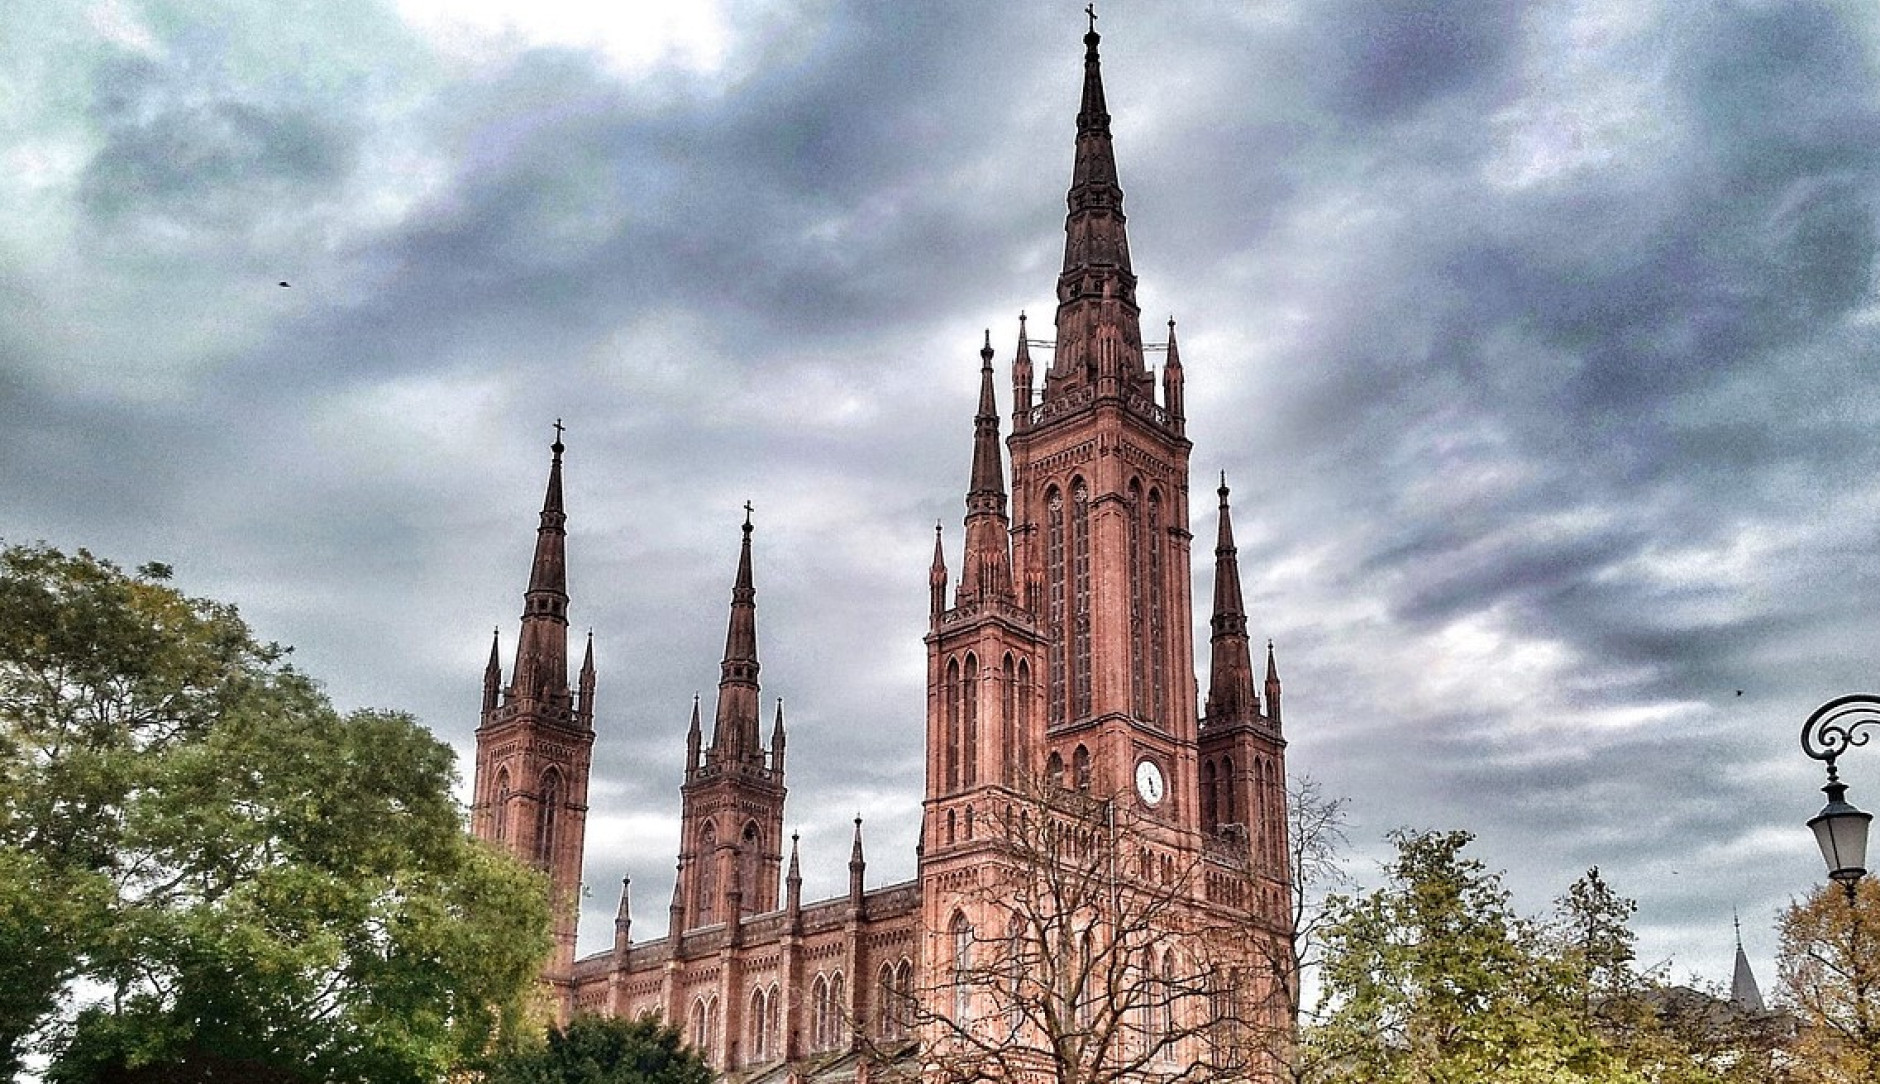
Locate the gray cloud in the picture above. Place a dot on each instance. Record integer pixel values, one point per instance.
(1534, 343)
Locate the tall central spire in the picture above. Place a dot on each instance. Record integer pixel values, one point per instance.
(734, 731)
(1099, 331)
(542, 650)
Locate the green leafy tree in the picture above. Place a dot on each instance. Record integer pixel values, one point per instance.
(1829, 967)
(1434, 978)
(229, 878)
(602, 1050)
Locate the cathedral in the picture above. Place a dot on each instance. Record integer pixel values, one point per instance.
(1083, 803)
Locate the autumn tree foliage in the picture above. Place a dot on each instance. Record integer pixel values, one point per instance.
(1829, 969)
(1434, 977)
(208, 872)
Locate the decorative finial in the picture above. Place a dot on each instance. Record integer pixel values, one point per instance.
(1091, 10)
(556, 447)
(985, 352)
(747, 515)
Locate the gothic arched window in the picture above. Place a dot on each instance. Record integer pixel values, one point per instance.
(750, 856)
(1080, 600)
(969, 720)
(952, 751)
(961, 934)
(550, 811)
(1230, 806)
(1208, 796)
(819, 1014)
(887, 1010)
(500, 816)
(1158, 613)
(1054, 769)
(760, 1027)
(1080, 768)
(707, 859)
(1057, 608)
(1138, 606)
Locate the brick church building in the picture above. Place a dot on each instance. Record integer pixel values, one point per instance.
(1061, 707)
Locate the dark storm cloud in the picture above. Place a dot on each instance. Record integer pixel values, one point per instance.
(197, 156)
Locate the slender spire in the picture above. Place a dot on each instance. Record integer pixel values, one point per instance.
(857, 865)
(937, 578)
(1272, 687)
(693, 738)
(734, 731)
(1099, 330)
(585, 706)
(1021, 379)
(1173, 399)
(777, 741)
(1744, 993)
(493, 673)
(623, 917)
(793, 882)
(1230, 678)
(541, 670)
(676, 909)
(987, 567)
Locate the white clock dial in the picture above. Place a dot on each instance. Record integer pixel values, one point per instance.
(1149, 782)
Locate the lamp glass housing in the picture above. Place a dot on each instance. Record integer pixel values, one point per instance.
(1841, 831)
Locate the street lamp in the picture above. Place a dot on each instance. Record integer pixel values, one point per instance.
(1840, 828)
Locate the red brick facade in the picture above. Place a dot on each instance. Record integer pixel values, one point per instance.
(1060, 656)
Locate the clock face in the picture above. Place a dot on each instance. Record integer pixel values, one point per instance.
(1149, 782)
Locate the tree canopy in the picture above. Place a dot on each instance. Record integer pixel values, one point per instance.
(1829, 967)
(602, 1050)
(205, 869)
(1434, 977)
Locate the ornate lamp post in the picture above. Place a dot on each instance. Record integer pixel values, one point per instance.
(1841, 829)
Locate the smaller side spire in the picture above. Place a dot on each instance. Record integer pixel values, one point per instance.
(693, 738)
(937, 578)
(1172, 380)
(1272, 687)
(857, 866)
(777, 741)
(986, 567)
(1021, 380)
(1230, 674)
(793, 883)
(585, 705)
(676, 910)
(493, 674)
(623, 918)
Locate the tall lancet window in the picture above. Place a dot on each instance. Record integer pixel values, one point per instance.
(969, 726)
(1080, 600)
(1057, 604)
(1158, 612)
(951, 693)
(500, 815)
(545, 819)
(708, 874)
(1138, 606)
(1024, 697)
(1009, 769)
(750, 852)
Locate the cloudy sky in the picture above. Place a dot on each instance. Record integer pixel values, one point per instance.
(1536, 340)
